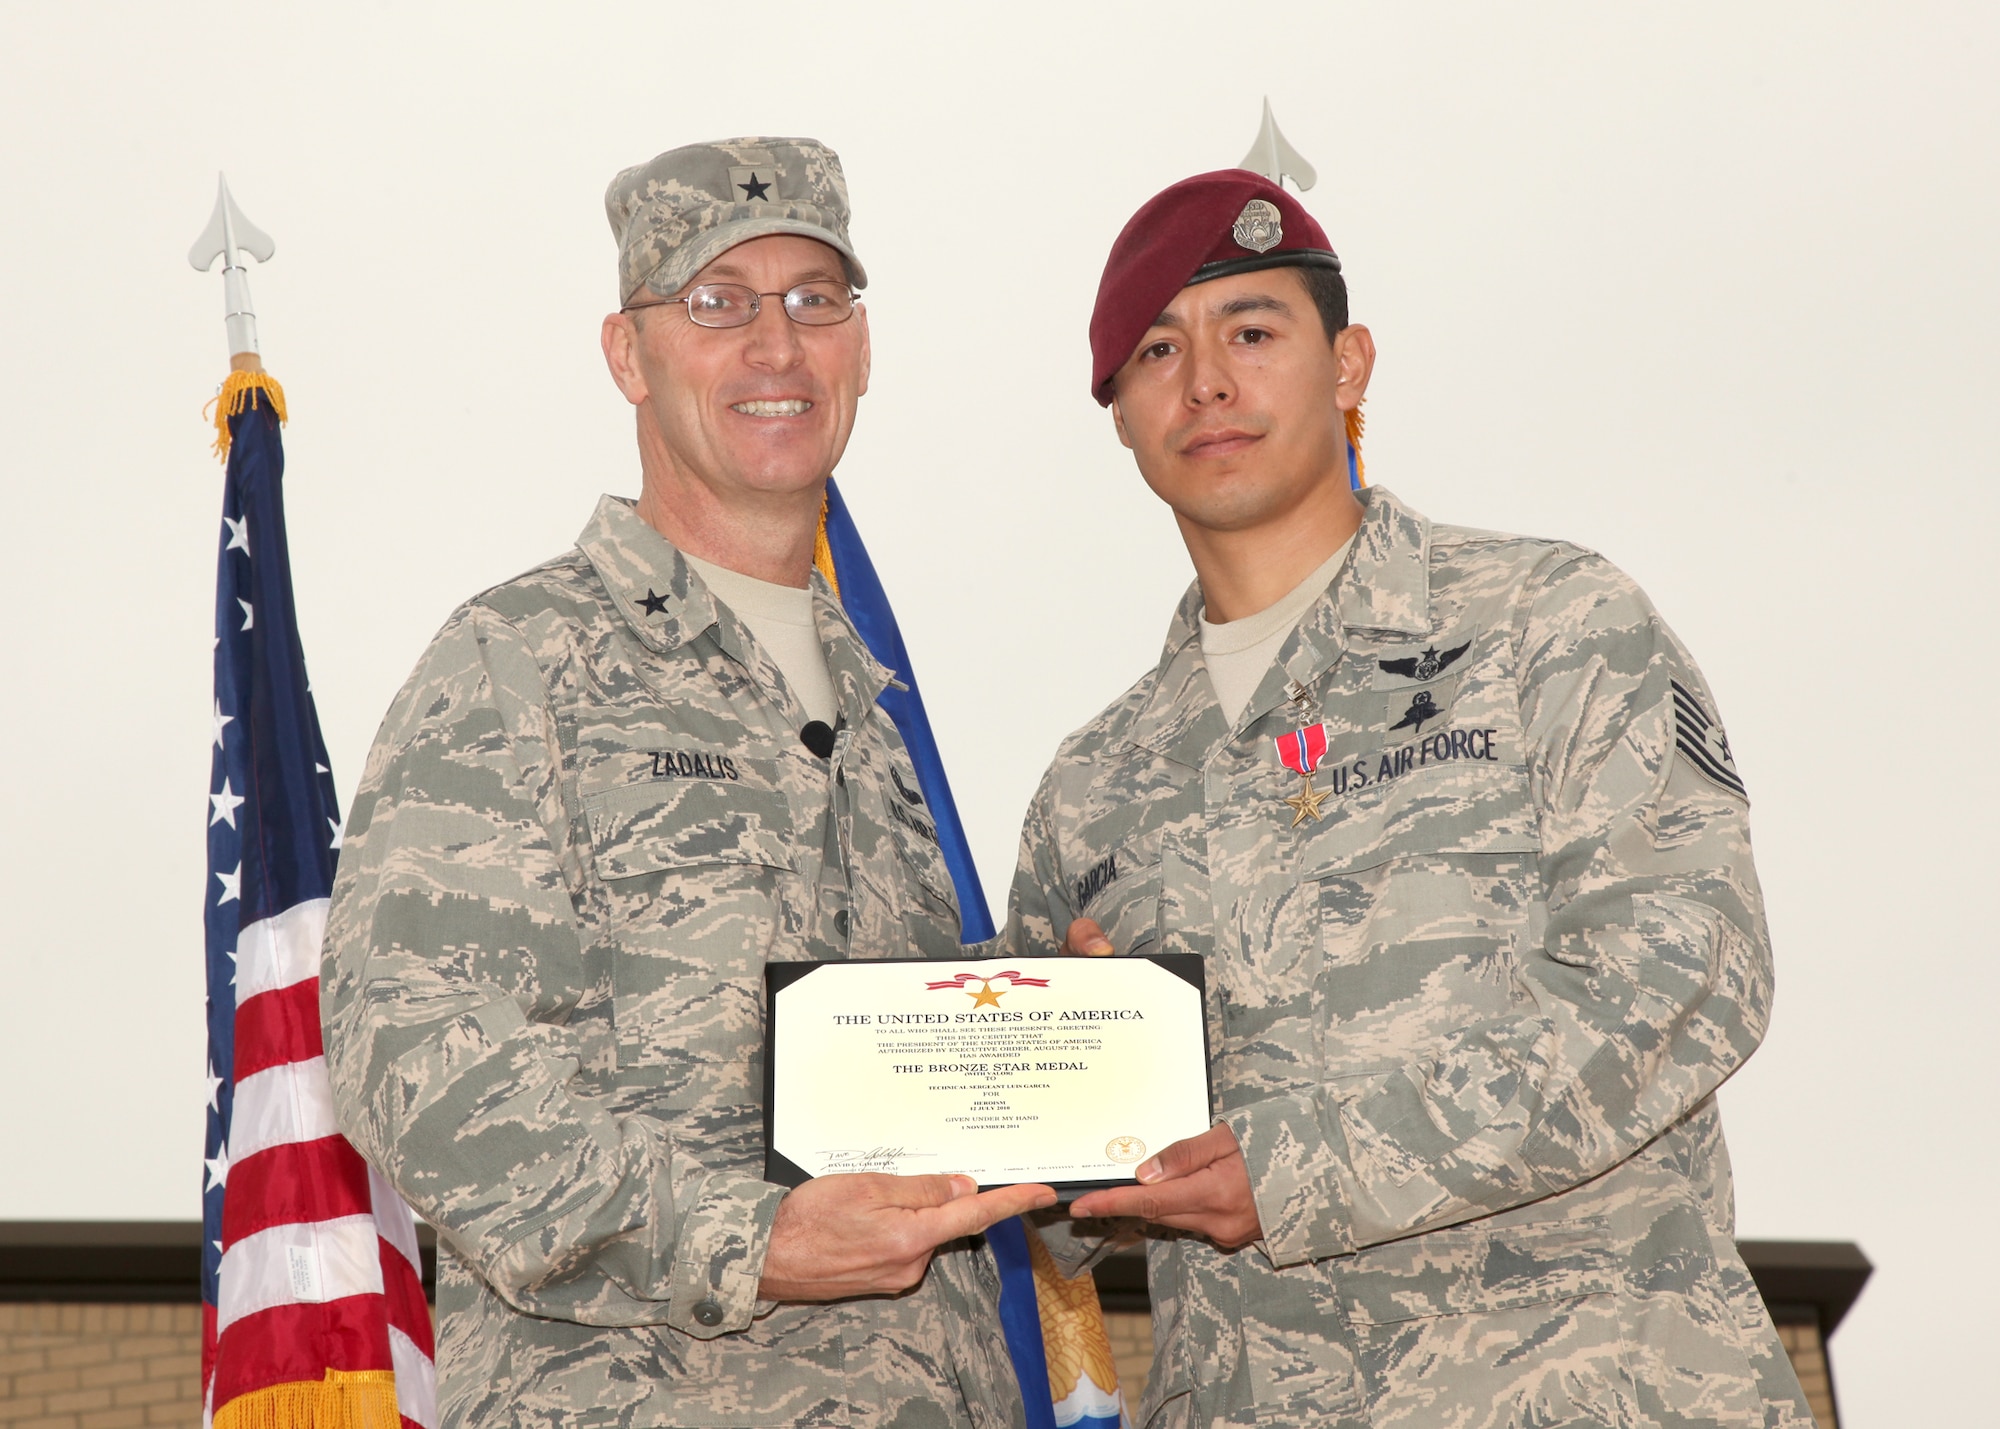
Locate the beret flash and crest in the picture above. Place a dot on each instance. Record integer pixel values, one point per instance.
(1258, 227)
(1210, 226)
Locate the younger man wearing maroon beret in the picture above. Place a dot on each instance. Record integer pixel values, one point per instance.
(1451, 818)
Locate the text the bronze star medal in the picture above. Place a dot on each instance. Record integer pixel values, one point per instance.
(1305, 804)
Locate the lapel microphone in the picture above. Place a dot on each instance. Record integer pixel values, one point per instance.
(817, 735)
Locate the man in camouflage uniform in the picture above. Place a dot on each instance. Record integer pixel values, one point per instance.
(1469, 866)
(598, 808)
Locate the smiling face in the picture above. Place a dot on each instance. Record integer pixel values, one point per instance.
(1234, 406)
(733, 419)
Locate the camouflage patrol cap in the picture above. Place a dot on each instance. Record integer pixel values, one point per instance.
(676, 213)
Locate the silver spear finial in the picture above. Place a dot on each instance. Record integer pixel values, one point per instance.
(229, 232)
(1276, 160)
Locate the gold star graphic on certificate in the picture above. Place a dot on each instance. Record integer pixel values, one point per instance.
(986, 996)
(1305, 804)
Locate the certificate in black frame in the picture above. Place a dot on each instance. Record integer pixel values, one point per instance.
(782, 1170)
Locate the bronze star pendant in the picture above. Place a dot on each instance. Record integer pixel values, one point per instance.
(1305, 804)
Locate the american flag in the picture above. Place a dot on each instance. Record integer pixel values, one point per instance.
(312, 1297)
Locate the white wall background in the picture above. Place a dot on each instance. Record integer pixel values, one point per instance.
(1711, 287)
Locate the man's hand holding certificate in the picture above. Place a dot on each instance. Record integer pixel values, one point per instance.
(1200, 1185)
(1068, 1072)
(842, 1236)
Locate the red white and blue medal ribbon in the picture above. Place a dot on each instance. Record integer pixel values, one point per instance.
(1300, 751)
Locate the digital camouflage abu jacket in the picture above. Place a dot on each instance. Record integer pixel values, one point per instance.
(1468, 1022)
(587, 824)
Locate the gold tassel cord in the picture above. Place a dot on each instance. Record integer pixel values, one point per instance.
(345, 1399)
(822, 552)
(239, 390)
(1073, 1333)
(1354, 425)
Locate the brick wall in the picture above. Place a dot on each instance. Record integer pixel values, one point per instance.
(1808, 1355)
(99, 1366)
(1131, 1350)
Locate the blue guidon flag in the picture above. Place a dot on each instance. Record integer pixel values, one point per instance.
(1056, 1338)
(313, 1310)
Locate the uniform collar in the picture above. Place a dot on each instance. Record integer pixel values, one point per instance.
(657, 592)
(1180, 718)
(1386, 584)
(667, 605)
(1383, 585)
(858, 677)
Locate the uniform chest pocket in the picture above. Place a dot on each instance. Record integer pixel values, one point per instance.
(646, 828)
(1127, 908)
(899, 891)
(1415, 801)
(700, 886)
(1429, 892)
(916, 840)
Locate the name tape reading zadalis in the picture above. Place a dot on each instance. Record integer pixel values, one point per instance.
(1068, 1071)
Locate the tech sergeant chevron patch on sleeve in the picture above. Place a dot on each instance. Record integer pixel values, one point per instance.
(1700, 740)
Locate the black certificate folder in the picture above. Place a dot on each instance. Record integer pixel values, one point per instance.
(1067, 1071)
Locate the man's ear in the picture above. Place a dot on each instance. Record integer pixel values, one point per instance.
(867, 350)
(1118, 422)
(620, 339)
(1354, 352)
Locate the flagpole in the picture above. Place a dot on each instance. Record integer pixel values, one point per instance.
(230, 236)
(313, 1313)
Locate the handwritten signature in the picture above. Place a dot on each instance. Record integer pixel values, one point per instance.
(878, 1158)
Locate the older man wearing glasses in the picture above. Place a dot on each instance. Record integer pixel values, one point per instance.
(613, 790)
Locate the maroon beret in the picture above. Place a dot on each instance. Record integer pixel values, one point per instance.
(1209, 226)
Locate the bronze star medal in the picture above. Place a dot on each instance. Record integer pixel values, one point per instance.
(1305, 804)
(1301, 751)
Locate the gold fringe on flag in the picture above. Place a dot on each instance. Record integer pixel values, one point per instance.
(345, 1399)
(1354, 425)
(239, 390)
(822, 552)
(1073, 1333)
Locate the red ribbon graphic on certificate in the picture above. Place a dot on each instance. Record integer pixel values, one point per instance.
(985, 995)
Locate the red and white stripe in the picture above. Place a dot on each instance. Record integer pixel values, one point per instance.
(1302, 749)
(319, 1255)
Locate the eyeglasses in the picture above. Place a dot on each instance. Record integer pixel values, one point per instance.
(819, 304)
